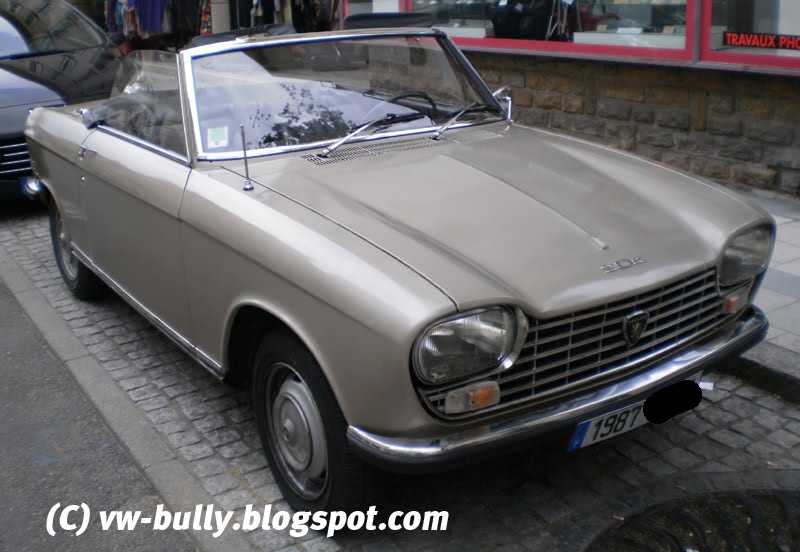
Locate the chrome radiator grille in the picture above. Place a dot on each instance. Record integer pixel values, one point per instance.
(569, 353)
(14, 159)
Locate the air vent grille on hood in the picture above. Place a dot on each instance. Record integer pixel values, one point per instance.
(381, 147)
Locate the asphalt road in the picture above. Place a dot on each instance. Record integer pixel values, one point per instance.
(55, 448)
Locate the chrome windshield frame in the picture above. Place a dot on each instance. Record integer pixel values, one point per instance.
(187, 56)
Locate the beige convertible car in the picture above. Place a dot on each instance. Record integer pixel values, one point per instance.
(351, 223)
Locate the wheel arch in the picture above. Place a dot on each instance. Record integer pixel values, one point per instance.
(247, 324)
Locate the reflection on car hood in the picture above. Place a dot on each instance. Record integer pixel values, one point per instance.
(80, 75)
(522, 216)
(16, 90)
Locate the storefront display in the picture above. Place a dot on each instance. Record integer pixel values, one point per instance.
(747, 34)
(743, 29)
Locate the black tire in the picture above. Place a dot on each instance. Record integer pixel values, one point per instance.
(80, 281)
(282, 362)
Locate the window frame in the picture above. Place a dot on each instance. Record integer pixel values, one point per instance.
(740, 61)
(697, 52)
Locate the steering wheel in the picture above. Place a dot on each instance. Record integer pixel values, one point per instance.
(409, 94)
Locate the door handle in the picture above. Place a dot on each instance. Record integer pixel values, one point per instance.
(83, 150)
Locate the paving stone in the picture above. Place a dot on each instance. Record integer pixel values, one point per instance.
(163, 415)
(769, 419)
(717, 417)
(133, 383)
(739, 406)
(729, 438)
(210, 423)
(784, 438)
(267, 541)
(232, 450)
(696, 424)
(222, 436)
(249, 462)
(240, 414)
(764, 450)
(748, 428)
(260, 478)
(174, 426)
(233, 500)
(153, 403)
(209, 466)
(144, 392)
(658, 467)
(793, 426)
(269, 493)
(217, 484)
(183, 438)
(190, 453)
(680, 458)
(741, 461)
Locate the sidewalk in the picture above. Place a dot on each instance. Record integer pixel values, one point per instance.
(57, 449)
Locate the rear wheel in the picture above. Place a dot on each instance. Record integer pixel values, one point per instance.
(303, 430)
(81, 281)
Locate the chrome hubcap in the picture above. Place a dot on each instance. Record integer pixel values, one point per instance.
(69, 262)
(298, 436)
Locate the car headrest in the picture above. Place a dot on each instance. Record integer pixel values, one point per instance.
(273, 29)
(387, 20)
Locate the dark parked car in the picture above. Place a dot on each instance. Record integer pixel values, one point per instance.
(50, 54)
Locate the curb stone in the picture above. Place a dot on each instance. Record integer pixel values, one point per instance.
(180, 490)
(769, 367)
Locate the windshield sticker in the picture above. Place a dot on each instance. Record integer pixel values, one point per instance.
(217, 137)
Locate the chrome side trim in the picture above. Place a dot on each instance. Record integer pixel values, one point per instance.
(403, 450)
(146, 145)
(187, 346)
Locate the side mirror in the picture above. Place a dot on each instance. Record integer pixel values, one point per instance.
(93, 117)
(504, 95)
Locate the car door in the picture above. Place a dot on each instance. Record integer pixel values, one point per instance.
(135, 172)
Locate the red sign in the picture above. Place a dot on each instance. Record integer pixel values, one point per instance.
(762, 40)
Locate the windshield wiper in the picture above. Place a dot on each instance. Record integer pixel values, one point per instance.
(474, 106)
(385, 121)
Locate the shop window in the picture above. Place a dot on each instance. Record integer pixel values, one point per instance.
(639, 23)
(760, 27)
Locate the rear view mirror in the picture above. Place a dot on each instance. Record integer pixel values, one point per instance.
(504, 95)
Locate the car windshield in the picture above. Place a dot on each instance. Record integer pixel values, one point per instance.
(44, 27)
(316, 92)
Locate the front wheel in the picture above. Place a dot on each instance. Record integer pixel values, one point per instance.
(81, 281)
(303, 431)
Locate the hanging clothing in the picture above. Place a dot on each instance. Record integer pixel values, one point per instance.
(151, 14)
(205, 17)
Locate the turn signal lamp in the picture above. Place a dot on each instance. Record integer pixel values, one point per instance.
(471, 397)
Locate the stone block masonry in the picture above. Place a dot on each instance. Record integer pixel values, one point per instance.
(722, 125)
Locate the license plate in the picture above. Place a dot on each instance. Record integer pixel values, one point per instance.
(608, 425)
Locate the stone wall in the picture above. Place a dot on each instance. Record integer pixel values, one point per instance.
(723, 125)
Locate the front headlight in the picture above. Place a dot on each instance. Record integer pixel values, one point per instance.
(470, 343)
(746, 255)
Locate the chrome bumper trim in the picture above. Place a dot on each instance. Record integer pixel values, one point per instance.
(748, 331)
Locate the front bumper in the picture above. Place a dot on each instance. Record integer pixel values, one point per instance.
(403, 452)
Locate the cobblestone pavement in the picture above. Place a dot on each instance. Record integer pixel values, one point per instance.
(539, 499)
(716, 521)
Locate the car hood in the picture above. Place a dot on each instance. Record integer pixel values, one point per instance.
(516, 215)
